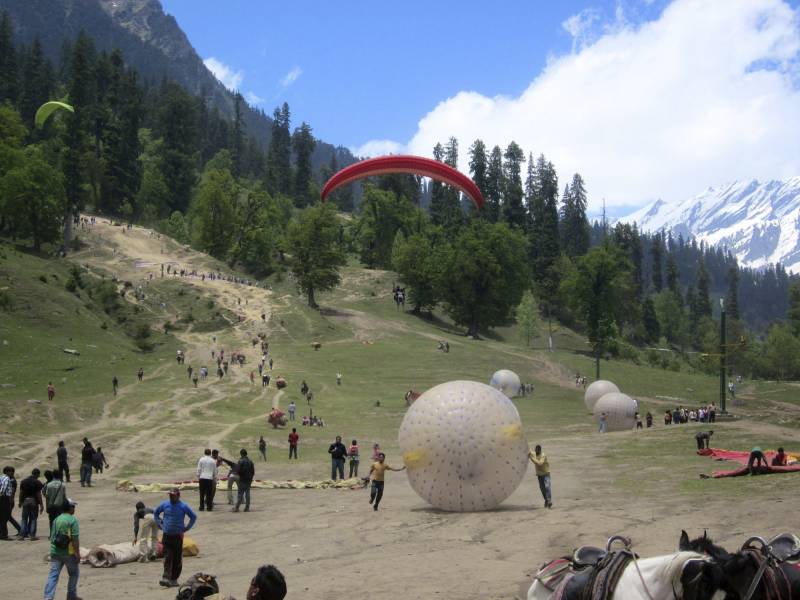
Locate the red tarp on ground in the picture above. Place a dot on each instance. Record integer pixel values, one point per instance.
(742, 458)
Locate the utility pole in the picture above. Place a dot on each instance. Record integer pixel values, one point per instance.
(722, 358)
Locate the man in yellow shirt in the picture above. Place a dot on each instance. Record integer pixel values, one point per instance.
(539, 461)
(376, 473)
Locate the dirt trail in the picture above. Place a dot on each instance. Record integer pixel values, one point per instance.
(131, 256)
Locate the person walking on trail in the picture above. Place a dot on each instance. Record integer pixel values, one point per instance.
(194, 380)
(293, 439)
(87, 461)
(206, 475)
(145, 524)
(51, 390)
(270, 364)
(252, 378)
(115, 384)
(247, 472)
(264, 380)
(338, 378)
(170, 516)
(602, 423)
(10, 472)
(99, 460)
(30, 501)
(65, 551)
(140, 373)
(338, 452)
(703, 438)
(55, 495)
(262, 448)
(539, 460)
(292, 408)
(378, 473)
(352, 453)
(233, 478)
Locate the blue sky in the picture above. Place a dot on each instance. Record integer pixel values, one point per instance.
(370, 70)
(646, 99)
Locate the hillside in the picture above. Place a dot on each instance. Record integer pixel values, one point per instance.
(151, 41)
(758, 222)
(155, 430)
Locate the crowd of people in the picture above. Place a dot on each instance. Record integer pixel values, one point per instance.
(702, 414)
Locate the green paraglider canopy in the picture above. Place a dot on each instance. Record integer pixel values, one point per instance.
(47, 109)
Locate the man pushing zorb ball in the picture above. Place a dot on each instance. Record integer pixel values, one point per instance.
(463, 446)
(507, 382)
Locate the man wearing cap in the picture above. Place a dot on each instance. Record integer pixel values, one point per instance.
(170, 516)
(64, 552)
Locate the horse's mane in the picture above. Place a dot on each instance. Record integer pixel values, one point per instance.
(673, 569)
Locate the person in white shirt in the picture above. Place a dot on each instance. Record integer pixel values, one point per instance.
(207, 476)
(292, 409)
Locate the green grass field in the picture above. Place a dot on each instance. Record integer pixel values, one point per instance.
(163, 423)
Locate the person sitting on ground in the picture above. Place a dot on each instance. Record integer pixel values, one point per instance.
(779, 460)
(268, 584)
(756, 460)
(703, 438)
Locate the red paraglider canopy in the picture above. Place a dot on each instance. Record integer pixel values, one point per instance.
(414, 165)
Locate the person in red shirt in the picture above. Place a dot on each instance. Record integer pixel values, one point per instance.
(779, 460)
(293, 438)
(51, 390)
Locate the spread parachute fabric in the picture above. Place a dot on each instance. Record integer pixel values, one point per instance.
(412, 165)
(47, 109)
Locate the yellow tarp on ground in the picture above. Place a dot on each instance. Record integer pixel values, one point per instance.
(126, 485)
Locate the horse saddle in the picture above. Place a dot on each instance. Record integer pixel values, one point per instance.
(587, 556)
(785, 547)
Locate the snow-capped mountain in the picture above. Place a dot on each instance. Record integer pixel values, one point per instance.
(758, 222)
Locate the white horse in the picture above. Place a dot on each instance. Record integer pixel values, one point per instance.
(678, 576)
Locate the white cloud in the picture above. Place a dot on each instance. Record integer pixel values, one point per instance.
(291, 76)
(226, 75)
(254, 99)
(378, 148)
(705, 94)
(580, 26)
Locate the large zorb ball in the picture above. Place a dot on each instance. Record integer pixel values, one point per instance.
(597, 390)
(620, 411)
(507, 382)
(463, 445)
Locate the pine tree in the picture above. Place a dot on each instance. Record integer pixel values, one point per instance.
(303, 144)
(732, 299)
(793, 314)
(673, 277)
(279, 155)
(703, 301)
(453, 211)
(9, 78)
(513, 209)
(437, 208)
(177, 126)
(544, 242)
(495, 184)
(574, 224)
(237, 136)
(656, 255)
(122, 145)
(38, 82)
(650, 320)
(478, 169)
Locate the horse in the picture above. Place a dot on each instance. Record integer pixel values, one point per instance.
(752, 573)
(677, 576)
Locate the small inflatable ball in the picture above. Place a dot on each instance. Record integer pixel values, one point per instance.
(620, 411)
(507, 382)
(463, 446)
(596, 390)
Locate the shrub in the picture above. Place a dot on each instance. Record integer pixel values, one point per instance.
(142, 331)
(103, 325)
(43, 278)
(71, 285)
(210, 304)
(5, 301)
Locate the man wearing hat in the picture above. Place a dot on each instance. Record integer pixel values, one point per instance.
(170, 516)
(64, 552)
